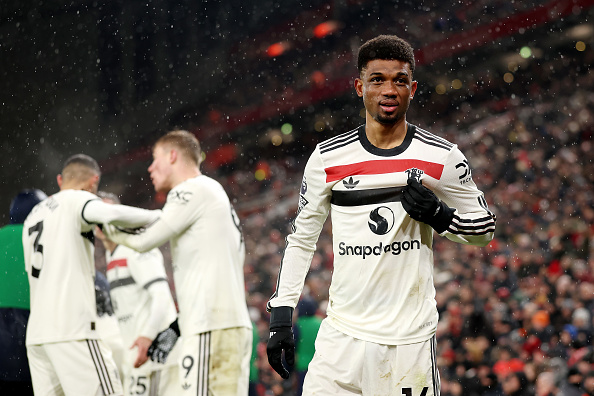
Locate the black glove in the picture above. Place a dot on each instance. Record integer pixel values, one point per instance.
(422, 205)
(281, 338)
(163, 343)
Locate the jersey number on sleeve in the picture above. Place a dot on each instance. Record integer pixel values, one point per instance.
(38, 228)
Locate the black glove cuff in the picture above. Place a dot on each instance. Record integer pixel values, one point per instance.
(281, 317)
(443, 219)
(175, 327)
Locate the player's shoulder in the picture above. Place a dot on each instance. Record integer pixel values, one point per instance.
(340, 141)
(431, 141)
(184, 192)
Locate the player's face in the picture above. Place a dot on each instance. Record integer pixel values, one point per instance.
(386, 87)
(160, 169)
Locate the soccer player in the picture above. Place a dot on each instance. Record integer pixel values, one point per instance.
(208, 254)
(389, 185)
(65, 353)
(143, 306)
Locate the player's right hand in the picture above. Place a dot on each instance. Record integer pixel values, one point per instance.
(164, 343)
(281, 339)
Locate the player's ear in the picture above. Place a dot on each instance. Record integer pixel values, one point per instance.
(95, 183)
(60, 180)
(359, 87)
(413, 89)
(173, 156)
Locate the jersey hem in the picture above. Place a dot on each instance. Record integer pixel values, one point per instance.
(380, 340)
(54, 340)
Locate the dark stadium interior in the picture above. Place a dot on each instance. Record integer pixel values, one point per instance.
(262, 82)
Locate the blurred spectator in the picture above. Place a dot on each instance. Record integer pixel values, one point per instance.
(305, 329)
(15, 377)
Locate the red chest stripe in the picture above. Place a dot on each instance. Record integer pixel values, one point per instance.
(117, 263)
(379, 167)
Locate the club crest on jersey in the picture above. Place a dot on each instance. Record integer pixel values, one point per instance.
(350, 184)
(415, 173)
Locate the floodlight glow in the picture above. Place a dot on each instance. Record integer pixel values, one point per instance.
(525, 52)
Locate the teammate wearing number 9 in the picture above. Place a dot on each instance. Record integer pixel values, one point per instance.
(207, 256)
(66, 355)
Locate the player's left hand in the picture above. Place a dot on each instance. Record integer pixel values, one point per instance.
(164, 343)
(422, 205)
(143, 344)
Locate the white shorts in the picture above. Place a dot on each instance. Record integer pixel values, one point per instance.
(163, 382)
(151, 379)
(73, 368)
(343, 365)
(216, 363)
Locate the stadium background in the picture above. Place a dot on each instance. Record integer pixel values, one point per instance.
(261, 82)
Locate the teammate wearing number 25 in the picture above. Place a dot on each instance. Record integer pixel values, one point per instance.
(207, 256)
(389, 185)
(66, 356)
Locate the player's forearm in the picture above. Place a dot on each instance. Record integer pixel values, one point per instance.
(154, 236)
(160, 303)
(99, 212)
(472, 228)
(291, 277)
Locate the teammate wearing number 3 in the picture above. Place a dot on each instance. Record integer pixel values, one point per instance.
(208, 254)
(66, 356)
(389, 185)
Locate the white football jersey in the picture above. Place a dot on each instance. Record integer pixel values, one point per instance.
(130, 274)
(382, 287)
(58, 244)
(207, 251)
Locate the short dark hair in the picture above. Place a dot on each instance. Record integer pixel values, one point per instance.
(387, 47)
(184, 141)
(80, 166)
(110, 196)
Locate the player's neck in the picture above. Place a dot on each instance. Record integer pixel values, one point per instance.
(386, 136)
(184, 173)
(76, 186)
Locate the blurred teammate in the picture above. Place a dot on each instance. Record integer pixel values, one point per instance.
(389, 185)
(15, 378)
(107, 323)
(143, 305)
(65, 353)
(208, 253)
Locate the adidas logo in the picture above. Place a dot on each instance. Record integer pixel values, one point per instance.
(350, 184)
(186, 386)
